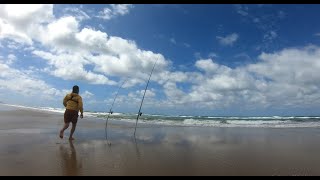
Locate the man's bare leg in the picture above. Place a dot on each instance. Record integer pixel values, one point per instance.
(66, 125)
(72, 131)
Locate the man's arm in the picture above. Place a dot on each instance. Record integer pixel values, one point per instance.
(80, 105)
(65, 100)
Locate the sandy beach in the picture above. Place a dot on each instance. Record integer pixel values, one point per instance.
(30, 146)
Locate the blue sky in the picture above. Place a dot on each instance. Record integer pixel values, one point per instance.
(218, 59)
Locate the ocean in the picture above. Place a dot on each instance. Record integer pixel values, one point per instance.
(201, 121)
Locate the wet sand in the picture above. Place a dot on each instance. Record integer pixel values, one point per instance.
(30, 146)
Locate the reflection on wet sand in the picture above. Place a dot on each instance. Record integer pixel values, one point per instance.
(137, 148)
(69, 163)
(30, 146)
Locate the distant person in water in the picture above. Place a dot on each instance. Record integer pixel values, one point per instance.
(73, 103)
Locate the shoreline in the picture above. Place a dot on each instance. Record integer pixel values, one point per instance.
(30, 146)
(193, 121)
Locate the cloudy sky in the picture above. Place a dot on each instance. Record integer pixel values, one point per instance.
(211, 59)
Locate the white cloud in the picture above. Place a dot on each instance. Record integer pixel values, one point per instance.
(256, 20)
(285, 78)
(73, 50)
(13, 45)
(24, 14)
(174, 95)
(114, 11)
(19, 22)
(60, 33)
(87, 95)
(166, 76)
(95, 41)
(71, 67)
(282, 14)
(187, 45)
(76, 12)
(117, 57)
(269, 36)
(212, 55)
(228, 40)
(133, 99)
(197, 55)
(294, 66)
(173, 41)
(11, 58)
(7, 31)
(317, 34)
(105, 14)
(267, 22)
(244, 57)
(121, 9)
(23, 83)
(127, 60)
(242, 9)
(150, 93)
(207, 65)
(101, 26)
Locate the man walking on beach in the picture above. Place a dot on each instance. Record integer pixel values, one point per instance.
(73, 103)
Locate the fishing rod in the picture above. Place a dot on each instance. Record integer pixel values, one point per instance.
(110, 111)
(140, 113)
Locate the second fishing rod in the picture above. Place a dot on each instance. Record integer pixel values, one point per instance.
(110, 111)
(140, 113)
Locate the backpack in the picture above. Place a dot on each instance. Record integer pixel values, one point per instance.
(72, 99)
